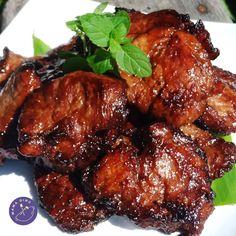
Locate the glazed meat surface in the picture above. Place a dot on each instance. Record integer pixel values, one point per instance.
(220, 114)
(142, 92)
(8, 63)
(62, 122)
(18, 87)
(181, 80)
(142, 23)
(220, 155)
(163, 184)
(61, 197)
(187, 72)
(21, 83)
(180, 88)
(135, 147)
(19, 77)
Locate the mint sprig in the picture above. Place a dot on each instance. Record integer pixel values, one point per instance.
(108, 48)
(100, 61)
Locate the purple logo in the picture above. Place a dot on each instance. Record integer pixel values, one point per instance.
(23, 211)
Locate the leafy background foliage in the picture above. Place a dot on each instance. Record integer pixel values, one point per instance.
(231, 6)
(2, 3)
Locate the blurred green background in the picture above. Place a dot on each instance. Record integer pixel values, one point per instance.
(231, 6)
(2, 3)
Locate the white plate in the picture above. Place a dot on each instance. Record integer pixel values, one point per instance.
(46, 18)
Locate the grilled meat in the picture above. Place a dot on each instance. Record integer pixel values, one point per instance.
(142, 23)
(8, 63)
(21, 83)
(158, 34)
(75, 123)
(187, 73)
(61, 197)
(142, 92)
(19, 77)
(61, 122)
(181, 80)
(19, 86)
(220, 114)
(164, 184)
(220, 155)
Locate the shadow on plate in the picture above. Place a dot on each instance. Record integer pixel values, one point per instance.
(123, 222)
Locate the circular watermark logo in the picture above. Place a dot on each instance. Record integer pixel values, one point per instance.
(23, 211)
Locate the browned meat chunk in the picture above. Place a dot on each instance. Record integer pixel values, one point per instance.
(8, 64)
(220, 154)
(220, 114)
(61, 122)
(142, 23)
(142, 92)
(21, 83)
(181, 80)
(18, 87)
(187, 73)
(73, 45)
(180, 53)
(61, 197)
(165, 185)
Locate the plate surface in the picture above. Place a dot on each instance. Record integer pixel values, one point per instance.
(46, 19)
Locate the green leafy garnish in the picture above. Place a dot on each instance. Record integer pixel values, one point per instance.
(105, 43)
(40, 48)
(97, 28)
(74, 25)
(100, 61)
(227, 138)
(225, 188)
(132, 60)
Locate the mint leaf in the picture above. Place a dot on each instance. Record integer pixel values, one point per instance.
(75, 63)
(133, 60)
(40, 48)
(100, 62)
(225, 188)
(126, 41)
(100, 8)
(114, 47)
(121, 17)
(119, 33)
(74, 25)
(97, 28)
(121, 23)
